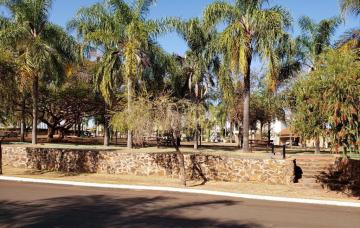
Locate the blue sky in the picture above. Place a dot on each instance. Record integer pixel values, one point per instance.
(64, 10)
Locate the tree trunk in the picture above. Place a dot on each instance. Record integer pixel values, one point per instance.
(231, 132)
(62, 134)
(240, 137)
(269, 133)
(246, 95)
(196, 141)
(78, 130)
(129, 137)
(96, 129)
(22, 123)
(197, 125)
(200, 136)
(317, 145)
(0, 159)
(106, 133)
(51, 132)
(106, 127)
(35, 96)
(196, 138)
(181, 159)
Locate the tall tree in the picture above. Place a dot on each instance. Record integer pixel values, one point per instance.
(315, 39)
(250, 29)
(124, 33)
(327, 100)
(44, 50)
(200, 61)
(101, 30)
(138, 35)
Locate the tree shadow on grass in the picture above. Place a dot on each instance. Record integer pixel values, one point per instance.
(343, 176)
(108, 211)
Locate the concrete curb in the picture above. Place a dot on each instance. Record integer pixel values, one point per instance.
(184, 190)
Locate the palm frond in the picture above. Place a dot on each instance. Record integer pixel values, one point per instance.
(219, 11)
(349, 40)
(351, 6)
(142, 7)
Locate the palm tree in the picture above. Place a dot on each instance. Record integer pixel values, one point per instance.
(351, 6)
(315, 39)
(285, 63)
(200, 62)
(44, 50)
(138, 34)
(102, 34)
(250, 29)
(350, 40)
(123, 34)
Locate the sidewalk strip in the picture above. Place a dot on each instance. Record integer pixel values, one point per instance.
(184, 190)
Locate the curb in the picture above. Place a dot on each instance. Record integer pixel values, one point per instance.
(184, 190)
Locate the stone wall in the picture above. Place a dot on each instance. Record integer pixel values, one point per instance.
(221, 168)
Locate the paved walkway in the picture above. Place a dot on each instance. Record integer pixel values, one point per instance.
(43, 205)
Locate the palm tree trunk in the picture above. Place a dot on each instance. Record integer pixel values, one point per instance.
(269, 133)
(240, 138)
(106, 133)
(231, 132)
(239, 144)
(106, 126)
(196, 139)
(22, 124)
(0, 159)
(200, 135)
(246, 120)
(35, 96)
(129, 138)
(317, 145)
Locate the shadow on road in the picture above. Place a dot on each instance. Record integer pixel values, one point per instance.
(105, 211)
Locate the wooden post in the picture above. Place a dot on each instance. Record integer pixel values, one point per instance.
(284, 152)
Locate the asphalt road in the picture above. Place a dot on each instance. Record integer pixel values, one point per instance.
(41, 205)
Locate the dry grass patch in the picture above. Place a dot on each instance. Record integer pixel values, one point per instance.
(244, 188)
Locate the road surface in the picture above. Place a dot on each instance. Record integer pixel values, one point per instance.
(42, 205)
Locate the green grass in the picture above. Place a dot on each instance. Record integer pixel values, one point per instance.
(208, 149)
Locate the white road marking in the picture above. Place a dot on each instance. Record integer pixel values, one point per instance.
(184, 190)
